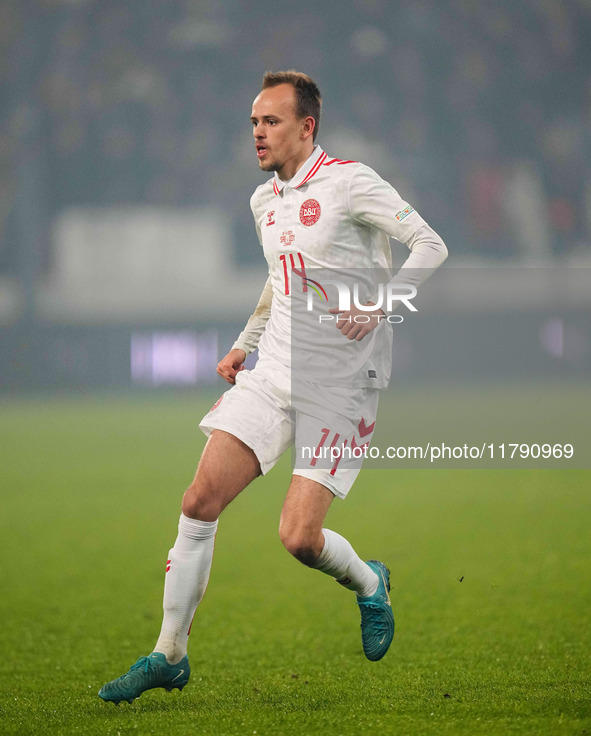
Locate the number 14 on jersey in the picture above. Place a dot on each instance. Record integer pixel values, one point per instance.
(293, 263)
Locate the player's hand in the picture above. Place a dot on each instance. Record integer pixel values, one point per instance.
(357, 330)
(232, 364)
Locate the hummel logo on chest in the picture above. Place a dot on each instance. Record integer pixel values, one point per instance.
(270, 218)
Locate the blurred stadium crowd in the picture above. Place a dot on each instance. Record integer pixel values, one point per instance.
(479, 112)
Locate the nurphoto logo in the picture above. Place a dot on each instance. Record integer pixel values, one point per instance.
(387, 297)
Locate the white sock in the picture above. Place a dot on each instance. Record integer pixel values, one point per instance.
(341, 561)
(187, 574)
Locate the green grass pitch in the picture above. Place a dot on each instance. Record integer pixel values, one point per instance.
(490, 573)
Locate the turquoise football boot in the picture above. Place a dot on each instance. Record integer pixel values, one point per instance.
(377, 618)
(145, 674)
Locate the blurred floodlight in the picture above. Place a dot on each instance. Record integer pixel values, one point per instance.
(174, 358)
(369, 41)
(199, 34)
(552, 337)
(563, 340)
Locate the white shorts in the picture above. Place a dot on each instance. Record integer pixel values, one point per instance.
(330, 427)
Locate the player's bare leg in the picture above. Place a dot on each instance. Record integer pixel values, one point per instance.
(226, 467)
(302, 533)
(304, 510)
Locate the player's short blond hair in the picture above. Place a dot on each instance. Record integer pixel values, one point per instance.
(308, 97)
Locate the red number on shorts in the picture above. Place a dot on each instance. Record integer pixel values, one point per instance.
(338, 460)
(317, 452)
(319, 446)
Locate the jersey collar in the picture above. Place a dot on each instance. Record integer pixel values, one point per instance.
(304, 173)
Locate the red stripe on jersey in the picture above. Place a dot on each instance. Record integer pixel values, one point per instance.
(315, 168)
(275, 187)
(338, 161)
(317, 165)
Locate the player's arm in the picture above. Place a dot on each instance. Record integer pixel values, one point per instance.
(374, 202)
(249, 338)
(427, 253)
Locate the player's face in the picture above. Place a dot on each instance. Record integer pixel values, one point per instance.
(283, 141)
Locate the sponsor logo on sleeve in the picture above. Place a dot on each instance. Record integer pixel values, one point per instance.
(404, 213)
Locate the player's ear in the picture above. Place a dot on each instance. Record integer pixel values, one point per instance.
(308, 125)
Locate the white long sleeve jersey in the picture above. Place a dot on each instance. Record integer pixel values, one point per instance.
(333, 215)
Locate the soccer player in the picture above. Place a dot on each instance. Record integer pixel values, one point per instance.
(315, 212)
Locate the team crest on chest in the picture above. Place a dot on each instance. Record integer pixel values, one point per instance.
(310, 212)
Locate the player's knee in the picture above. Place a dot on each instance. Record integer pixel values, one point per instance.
(201, 503)
(299, 545)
